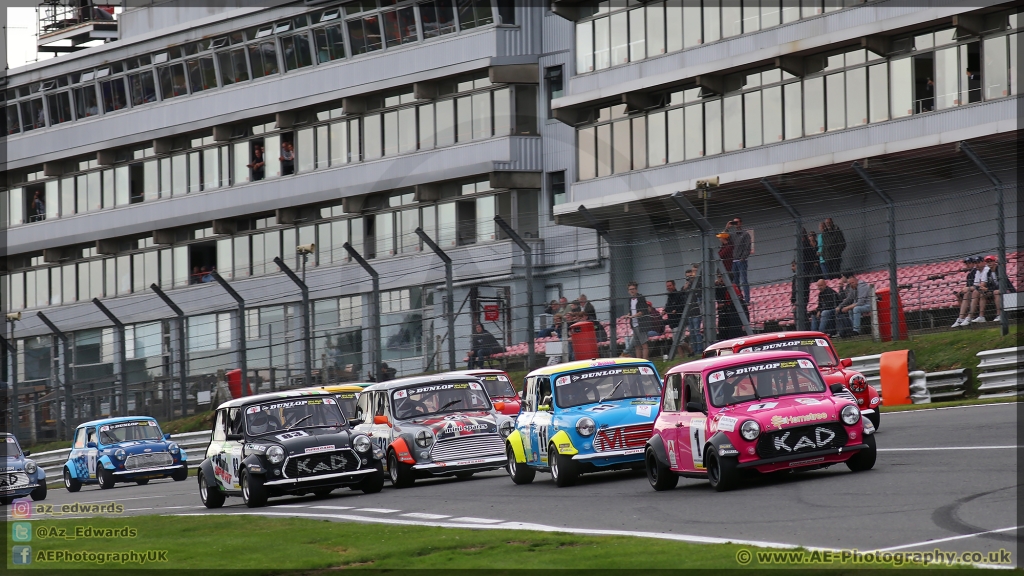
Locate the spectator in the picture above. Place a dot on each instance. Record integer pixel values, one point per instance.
(552, 307)
(729, 325)
(992, 287)
(575, 314)
(587, 309)
(973, 86)
(822, 317)
(741, 251)
(196, 277)
(803, 285)
(982, 274)
(207, 275)
(388, 373)
(258, 163)
(563, 303)
(38, 210)
(674, 302)
(856, 303)
(809, 256)
(484, 344)
(287, 159)
(656, 322)
(693, 315)
(833, 246)
(639, 319)
(966, 294)
(820, 246)
(726, 251)
(554, 330)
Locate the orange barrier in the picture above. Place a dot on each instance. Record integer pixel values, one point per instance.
(895, 369)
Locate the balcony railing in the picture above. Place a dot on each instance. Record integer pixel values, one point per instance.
(59, 15)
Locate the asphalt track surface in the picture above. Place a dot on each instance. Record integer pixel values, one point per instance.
(958, 494)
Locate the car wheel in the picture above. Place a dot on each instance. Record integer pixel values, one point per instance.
(72, 484)
(375, 482)
(464, 475)
(180, 474)
(520, 473)
(876, 419)
(863, 459)
(400, 473)
(721, 471)
(563, 469)
(142, 482)
(211, 497)
(659, 475)
(322, 492)
(105, 477)
(253, 493)
(6, 500)
(39, 493)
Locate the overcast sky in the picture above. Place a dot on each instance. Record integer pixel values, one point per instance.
(21, 37)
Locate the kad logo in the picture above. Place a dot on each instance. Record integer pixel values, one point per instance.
(335, 462)
(822, 437)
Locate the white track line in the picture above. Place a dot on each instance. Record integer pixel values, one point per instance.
(476, 520)
(291, 505)
(943, 448)
(378, 510)
(948, 408)
(424, 516)
(333, 507)
(950, 539)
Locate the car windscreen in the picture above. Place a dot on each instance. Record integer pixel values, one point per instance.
(127, 431)
(761, 380)
(11, 448)
(817, 347)
(427, 399)
(606, 383)
(293, 413)
(347, 402)
(498, 386)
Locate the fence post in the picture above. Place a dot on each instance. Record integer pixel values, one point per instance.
(528, 253)
(122, 354)
(604, 234)
(307, 356)
(894, 291)
(242, 355)
(449, 308)
(677, 331)
(182, 378)
(376, 355)
(801, 297)
(710, 332)
(1004, 318)
(12, 347)
(730, 288)
(66, 352)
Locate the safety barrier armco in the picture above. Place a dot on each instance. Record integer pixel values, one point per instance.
(999, 373)
(52, 461)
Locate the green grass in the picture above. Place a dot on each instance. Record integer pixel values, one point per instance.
(269, 545)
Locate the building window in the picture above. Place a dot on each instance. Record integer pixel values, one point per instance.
(553, 78)
(556, 191)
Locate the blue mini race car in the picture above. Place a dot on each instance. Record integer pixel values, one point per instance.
(584, 416)
(20, 476)
(127, 449)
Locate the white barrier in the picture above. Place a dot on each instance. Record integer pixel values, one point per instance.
(999, 373)
(52, 461)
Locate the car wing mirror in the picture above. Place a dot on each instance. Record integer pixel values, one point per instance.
(381, 419)
(499, 406)
(90, 445)
(27, 453)
(836, 388)
(846, 362)
(355, 421)
(692, 406)
(520, 394)
(234, 437)
(167, 436)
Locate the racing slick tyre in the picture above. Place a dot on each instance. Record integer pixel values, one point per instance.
(374, 483)
(180, 474)
(876, 419)
(6, 500)
(863, 459)
(520, 473)
(659, 475)
(400, 473)
(142, 482)
(253, 492)
(722, 473)
(322, 492)
(39, 493)
(72, 484)
(105, 477)
(211, 497)
(563, 469)
(464, 475)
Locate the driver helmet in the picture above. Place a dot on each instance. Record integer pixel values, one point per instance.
(259, 423)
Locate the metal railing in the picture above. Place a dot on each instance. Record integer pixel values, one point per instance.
(52, 461)
(999, 373)
(57, 15)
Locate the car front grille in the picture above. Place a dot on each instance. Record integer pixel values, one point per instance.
(468, 447)
(13, 480)
(623, 437)
(847, 395)
(150, 460)
(801, 439)
(319, 463)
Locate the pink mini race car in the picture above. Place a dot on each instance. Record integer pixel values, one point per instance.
(760, 411)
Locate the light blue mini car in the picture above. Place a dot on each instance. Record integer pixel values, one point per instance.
(584, 416)
(126, 449)
(20, 476)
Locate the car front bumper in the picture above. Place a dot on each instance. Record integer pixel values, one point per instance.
(155, 471)
(340, 478)
(611, 457)
(813, 458)
(471, 465)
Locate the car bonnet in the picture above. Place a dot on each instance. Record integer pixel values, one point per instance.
(455, 424)
(782, 412)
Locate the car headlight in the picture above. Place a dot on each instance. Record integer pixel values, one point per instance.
(361, 443)
(850, 414)
(585, 426)
(30, 467)
(858, 383)
(424, 439)
(119, 454)
(505, 428)
(275, 454)
(173, 448)
(750, 429)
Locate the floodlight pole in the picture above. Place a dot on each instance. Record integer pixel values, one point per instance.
(528, 253)
(710, 330)
(122, 352)
(376, 355)
(301, 283)
(449, 308)
(894, 290)
(604, 234)
(242, 355)
(66, 352)
(12, 346)
(182, 378)
(801, 296)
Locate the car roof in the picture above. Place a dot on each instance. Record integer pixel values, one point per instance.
(583, 364)
(115, 420)
(297, 393)
(736, 360)
(480, 372)
(766, 337)
(335, 388)
(417, 380)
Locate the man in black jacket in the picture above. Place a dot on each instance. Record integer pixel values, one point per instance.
(674, 302)
(828, 300)
(639, 319)
(833, 245)
(484, 344)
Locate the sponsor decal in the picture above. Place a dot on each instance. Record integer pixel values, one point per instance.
(805, 363)
(326, 448)
(601, 408)
(762, 406)
(255, 468)
(492, 378)
(779, 421)
(460, 386)
(643, 410)
(431, 388)
(292, 434)
(348, 395)
(460, 463)
(453, 427)
(503, 378)
(808, 401)
(651, 402)
(106, 427)
(806, 462)
(727, 424)
(475, 386)
(609, 372)
(256, 447)
(13, 480)
(821, 342)
(671, 449)
(303, 402)
(399, 394)
(334, 462)
(562, 380)
(697, 439)
(874, 401)
(633, 451)
(755, 368)
(11, 440)
(646, 370)
(603, 363)
(716, 376)
(563, 446)
(821, 438)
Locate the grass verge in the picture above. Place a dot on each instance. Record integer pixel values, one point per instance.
(268, 545)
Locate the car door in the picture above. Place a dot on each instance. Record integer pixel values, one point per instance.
(669, 422)
(90, 454)
(78, 461)
(692, 426)
(381, 407)
(525, 418)
(542, 420)
(219, 451)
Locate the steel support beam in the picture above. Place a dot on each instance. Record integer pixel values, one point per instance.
(242, 353)
(122, 354)
(894, 291)
(606, 235)
(528, 254)
(68, 372)
(12, 347)
(375, 351)
(801, 297)
(307, 356)
(677, 331)
(182, 350)
(449, 306)
(710, 329)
